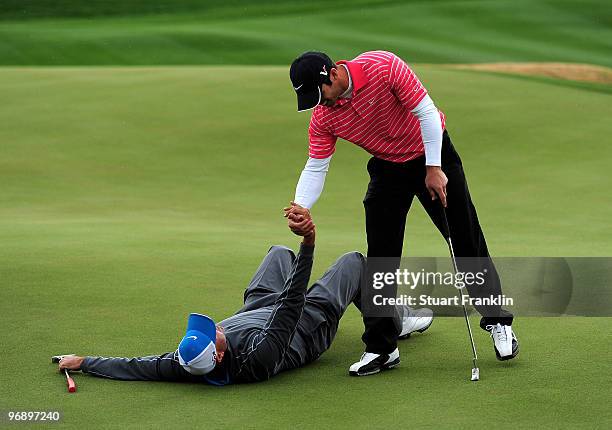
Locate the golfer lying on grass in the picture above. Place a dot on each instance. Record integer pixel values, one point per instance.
(281, 326)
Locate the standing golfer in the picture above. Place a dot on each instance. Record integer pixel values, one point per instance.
(377, 102)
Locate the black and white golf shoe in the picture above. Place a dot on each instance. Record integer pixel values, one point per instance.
(415, 320)
(373, 363)
(505, 342)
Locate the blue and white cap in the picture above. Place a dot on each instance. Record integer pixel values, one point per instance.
(197, 352)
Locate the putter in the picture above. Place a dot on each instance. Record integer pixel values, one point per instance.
(69, 381)
(475, 369)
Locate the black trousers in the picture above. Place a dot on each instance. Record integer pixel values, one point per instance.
(390, 193)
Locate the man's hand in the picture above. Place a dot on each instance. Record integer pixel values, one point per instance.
(299, 219)
(436, 181)
(302, 227)
(295, 208)
(70, 362)
(299, 224)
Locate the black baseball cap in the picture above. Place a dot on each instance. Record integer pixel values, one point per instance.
(308, 72)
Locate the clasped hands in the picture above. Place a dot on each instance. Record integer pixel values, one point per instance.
(299, 220)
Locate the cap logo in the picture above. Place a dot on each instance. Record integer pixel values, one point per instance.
(324, 72)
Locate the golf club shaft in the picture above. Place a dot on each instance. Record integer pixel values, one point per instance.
(455, 268)
(465, 314)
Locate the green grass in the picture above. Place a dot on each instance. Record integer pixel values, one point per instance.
(274, 32)
(32, 9)
(133, 196)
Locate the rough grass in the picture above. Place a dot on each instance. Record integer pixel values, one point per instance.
(247, 32)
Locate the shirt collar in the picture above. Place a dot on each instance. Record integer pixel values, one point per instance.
(349, 91)
(357, 76)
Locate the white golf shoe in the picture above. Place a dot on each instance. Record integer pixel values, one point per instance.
(417, 320)
(373, 363)
(504, 341)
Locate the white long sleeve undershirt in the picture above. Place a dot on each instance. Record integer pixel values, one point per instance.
(312, 179)
(311, 182)
(431, 130)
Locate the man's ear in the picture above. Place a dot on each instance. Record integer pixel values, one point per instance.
(333, 74)
(219, 357)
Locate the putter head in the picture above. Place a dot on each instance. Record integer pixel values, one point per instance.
(475, 374)
(57, 358)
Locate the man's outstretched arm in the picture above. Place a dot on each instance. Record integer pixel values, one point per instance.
(164, 367)
(267, 349)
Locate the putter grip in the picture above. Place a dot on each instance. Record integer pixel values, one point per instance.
(70, 383)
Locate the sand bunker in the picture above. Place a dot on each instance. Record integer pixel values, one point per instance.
(569, 71)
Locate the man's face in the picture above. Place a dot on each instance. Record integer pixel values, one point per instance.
(330, 93)
(220, 344)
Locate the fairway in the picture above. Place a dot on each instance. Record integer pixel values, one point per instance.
(132, 196)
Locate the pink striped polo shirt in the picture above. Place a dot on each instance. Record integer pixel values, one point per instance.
(378, 116)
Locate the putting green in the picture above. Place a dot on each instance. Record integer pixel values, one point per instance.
(133, 196)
